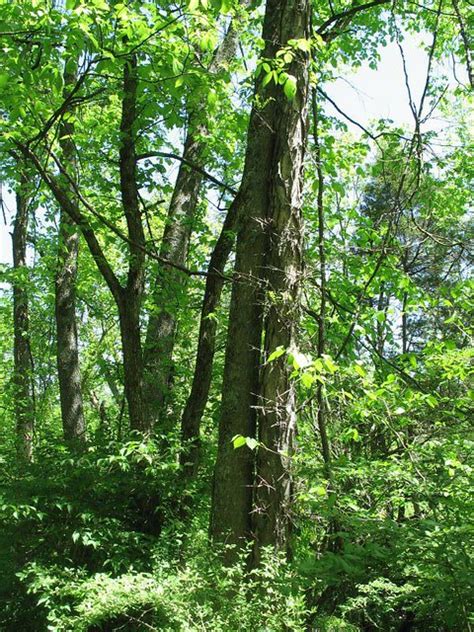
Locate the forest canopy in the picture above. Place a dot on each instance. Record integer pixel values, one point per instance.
(236, 360)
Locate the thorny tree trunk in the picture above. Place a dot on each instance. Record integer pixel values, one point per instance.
(22, 375)
(69, 375)
(169, 284)
(269, 201)
(283, 269)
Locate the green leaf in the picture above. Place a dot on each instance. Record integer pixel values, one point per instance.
(268, 77)
(304, 45)
(329, 363)
(226, 6)
(359, 370)
(290, 87)
(3, 79)
(307, 379)
(238, 441)
(279, 351)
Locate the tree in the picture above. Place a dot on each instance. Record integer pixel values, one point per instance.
(174, 247)
(267, 259)
(298, 297)
(69, 374)
(22, 373)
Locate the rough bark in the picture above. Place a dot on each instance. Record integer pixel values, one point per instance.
(67, 353)
(69, 375)
(170, 282)
(283, 270)
(22, 371)
(268, 199)
(129, 319)
(131, 295)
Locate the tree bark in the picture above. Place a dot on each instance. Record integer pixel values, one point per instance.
(69, 374)
(129, 319)
(196, 402)
(170, 282)
(269, 200)
(283, 272)
(22, 371)
(67, 353)
(130, 298)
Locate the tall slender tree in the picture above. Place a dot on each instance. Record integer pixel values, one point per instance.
(128, 297)
(22, 372)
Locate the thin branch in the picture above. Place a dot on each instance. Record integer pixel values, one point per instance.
(346, 116)
(189, 163)
(467, 43)
(344, 15)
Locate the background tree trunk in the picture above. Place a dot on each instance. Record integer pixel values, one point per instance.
(69, 374)
(196, 402)
(129, 318)
(170, 282)
(130, 297)
(22, 372)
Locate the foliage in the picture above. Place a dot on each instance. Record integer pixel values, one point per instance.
(111, 535)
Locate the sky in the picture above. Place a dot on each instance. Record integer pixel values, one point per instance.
(364, 95)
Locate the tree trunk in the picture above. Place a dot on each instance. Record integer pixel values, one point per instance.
(22, 372)
(196, 403)
(70, 388)
(170, 282)
(269, 201)
(69, 374)
(129, 317)
(283, 271)
(130, 297)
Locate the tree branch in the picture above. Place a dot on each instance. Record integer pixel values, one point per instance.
(344, 15)
(208, 176)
